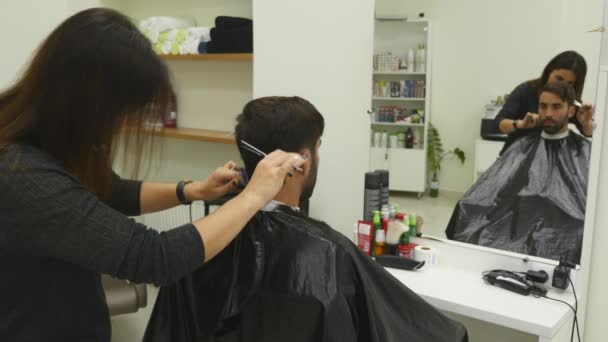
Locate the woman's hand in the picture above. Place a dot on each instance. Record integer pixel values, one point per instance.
(530, 121)
(223, 180)
(585, 117)
(269, 176)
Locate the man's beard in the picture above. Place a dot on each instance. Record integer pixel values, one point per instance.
(555, 127)
(311, 182)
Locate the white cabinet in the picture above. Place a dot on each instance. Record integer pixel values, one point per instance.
(378, 159)
(406, 171)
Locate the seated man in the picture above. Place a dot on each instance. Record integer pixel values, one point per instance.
(288, 277)
(532, 199)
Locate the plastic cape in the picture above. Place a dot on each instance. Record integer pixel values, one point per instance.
(531, 200)
(290, 278)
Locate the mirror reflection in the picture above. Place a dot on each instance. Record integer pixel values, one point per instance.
(516, 178)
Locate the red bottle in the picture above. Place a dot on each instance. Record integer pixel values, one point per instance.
(170, 117)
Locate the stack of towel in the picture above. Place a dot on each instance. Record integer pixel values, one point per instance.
(230, 35)
(174, 36)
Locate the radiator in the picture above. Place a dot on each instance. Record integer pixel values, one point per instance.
(174, 217)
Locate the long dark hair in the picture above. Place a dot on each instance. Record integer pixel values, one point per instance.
(570, 60)
(90, 77)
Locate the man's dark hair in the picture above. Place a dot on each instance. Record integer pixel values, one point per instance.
(562, 90)
(277, 122)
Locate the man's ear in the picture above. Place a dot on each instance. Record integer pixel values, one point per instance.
(572, 110)
(306, 153)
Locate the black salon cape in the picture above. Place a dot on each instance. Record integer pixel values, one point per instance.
(288, 278)
(531, 200)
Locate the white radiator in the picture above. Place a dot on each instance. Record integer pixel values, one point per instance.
(173, 217)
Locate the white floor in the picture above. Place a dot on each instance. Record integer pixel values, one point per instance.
(435, 211)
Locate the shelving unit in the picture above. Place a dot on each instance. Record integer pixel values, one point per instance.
(211, 88)
(399, 99)
(210, 57)
(407, 167)
(397, 124)
(194, 134)
(400, 73)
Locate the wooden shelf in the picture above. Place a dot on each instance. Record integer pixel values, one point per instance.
(398, 99)
(195, 134)
(210, 57)
(403, 73)
(404, 124)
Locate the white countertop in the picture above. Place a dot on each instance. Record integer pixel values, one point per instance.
(463, 291)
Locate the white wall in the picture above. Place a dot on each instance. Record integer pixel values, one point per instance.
(203, 11)
(24, 25)
(482, 49)
(333, 48)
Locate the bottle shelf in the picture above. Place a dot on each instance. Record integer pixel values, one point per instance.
(397, 124)
(405, 99)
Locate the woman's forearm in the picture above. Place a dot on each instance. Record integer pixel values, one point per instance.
(222, 226)
(506, 126)
(161, 196)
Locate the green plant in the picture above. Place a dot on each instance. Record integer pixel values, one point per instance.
(436, 153)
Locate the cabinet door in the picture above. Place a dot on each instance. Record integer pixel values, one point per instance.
(378, 159)
(407, 169)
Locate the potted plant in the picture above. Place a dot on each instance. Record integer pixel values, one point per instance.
(436, 154)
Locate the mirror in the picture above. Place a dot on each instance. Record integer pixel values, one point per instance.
(445, 75)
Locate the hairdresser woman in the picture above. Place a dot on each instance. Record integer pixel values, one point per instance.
(63, 212)
(519, 117)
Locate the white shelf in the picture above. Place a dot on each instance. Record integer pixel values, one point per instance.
(403, 73)
(411, 99)
(389, 18)
(403, 124)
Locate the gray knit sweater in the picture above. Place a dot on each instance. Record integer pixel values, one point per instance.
(56, 238)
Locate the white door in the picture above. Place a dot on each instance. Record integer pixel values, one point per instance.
(378, 159)
(322, 51)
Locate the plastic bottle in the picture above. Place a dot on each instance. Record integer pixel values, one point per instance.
(372, 195)
(392, 211)
(384, 212)
(377, 138)
(377, 226)
(404, 241)
(413, 225)
(384, 142)
(421, 58)
(411, 59)
(409, 138)
(170, 117)
(380, 242)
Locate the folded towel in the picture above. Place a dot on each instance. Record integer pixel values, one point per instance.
(166, 47)
(236, 40)
(202, 47)
(160, 24)
(179, 41)
(224, 22)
